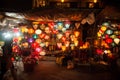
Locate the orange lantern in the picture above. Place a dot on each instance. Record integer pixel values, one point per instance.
(76, 33)
(30, 31)
(63, 48)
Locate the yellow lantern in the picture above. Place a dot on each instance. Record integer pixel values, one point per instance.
(76, 43)
(76, 33)
(24, 29)
(63, 48)
(103, 28)
(99, 34)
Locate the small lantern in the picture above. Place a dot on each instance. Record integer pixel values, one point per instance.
(76, 33)
(38, 31)
(63, 48)
(117, 40)
(30, 31)
(109, 32)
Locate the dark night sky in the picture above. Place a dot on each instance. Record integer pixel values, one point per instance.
(27, 4)
(16, 4)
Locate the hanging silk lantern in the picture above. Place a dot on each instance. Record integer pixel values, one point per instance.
(63, 48)
(67, 25)
(35, 36)
(72, 37)
(38, 31)
(117, 40)
(116, 32)
(109, 32)
(42, 35)
(42, 53)
(42, 44)
(63, 38)
(35, 25)
(42, 26)
(83, 21)
(76, 33)
(63, 29)
(46, 44)
(109, 40)
(72, 46)
(77, 25)
(47, 37)
(15, 39)
(59, 45)
(30, 31)
(103, 28)
(34, 45)
(25, 45)
(99, 34)
(113, 36)
(60, 25)
(76, 43)
(30, 40)
(15, 30)
(59, 36)
(106, 24)
(99, 51)
(113, 44)
(67, 43)
(38, 40)
(55, 31)
(47, 30)
(38, 49)
(24, 29)
(67, 33)
(51, 25)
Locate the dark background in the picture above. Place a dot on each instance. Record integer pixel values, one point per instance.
(16, 4)
(27, 4)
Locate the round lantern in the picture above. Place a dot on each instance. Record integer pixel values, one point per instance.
(109, 32)
(116, 32)
(24, 29)
(38, 40)
(106, 24)
(30, 40)
(35, 36)
(103, 28)
(38, 31)
(42, 53)
(109, 40)
(30, 31)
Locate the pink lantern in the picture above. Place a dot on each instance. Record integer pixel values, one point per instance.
(59, 45)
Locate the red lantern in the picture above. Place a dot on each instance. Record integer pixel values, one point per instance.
(109, 40)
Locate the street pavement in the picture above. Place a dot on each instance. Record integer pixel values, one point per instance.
(49, 70)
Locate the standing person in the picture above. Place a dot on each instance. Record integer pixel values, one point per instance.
(6, 63)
